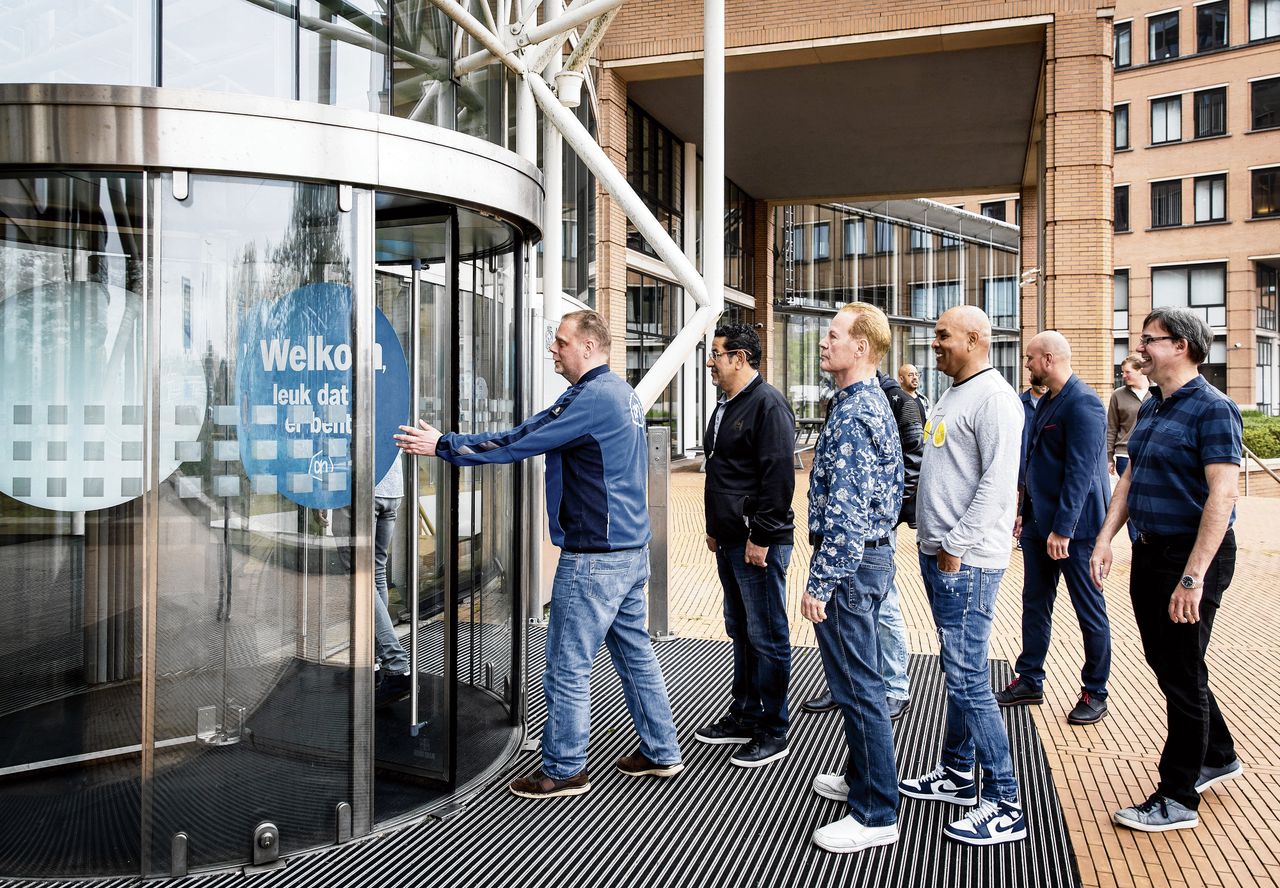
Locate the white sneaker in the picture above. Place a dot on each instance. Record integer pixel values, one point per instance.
(848, 835)
(831, 786)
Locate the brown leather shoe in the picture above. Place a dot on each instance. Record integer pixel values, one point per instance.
(540, 786)
(639, 765)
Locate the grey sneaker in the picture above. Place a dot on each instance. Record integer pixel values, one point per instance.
(898, 707)
(1213, 776)
(1157, 814)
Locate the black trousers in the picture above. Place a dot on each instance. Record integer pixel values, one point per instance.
(1198, 734)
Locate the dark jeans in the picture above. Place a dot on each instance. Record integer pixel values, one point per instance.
(1198, 735)
(1122, 463)
(1040, 588)
(755, 618)
(851, 660)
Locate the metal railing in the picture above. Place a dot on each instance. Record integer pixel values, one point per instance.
(1250, 455)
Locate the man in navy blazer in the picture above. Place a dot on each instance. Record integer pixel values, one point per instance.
(1064, 498)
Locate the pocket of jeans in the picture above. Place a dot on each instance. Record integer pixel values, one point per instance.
(988, 587)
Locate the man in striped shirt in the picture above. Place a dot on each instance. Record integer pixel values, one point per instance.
(1180, 492)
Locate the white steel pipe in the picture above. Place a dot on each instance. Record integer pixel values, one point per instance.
(470, 24)
(713, 149)
(669, 363)
(552, 183)
(590, 40)
(577, 14)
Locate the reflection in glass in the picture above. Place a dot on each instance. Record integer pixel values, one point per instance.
(253, 673)
(70, 41)
(342, 56)
(653, 319)
(229, 45)
(73, 441)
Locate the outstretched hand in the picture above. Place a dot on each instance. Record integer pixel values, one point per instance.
(420, 440)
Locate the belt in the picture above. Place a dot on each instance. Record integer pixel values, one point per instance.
(815, 540)
(1165, 539)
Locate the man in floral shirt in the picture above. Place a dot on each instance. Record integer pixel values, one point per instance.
(855, 493)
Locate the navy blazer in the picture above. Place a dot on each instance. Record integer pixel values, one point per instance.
(1066, 466)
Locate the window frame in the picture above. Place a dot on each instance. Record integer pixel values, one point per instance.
(1118, 113)
(992, 205)
(1225, 8)
(1266, 83)
(1169, 200)
(1255, 179)
(1209, 180)
(1120, 196)
(1196, 101)
(1164, 19)
(821, 244)
(1270, 19)
(1125, 30)
(1166, 103)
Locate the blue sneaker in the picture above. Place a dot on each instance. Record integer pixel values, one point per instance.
(942, 784)
(989, 824)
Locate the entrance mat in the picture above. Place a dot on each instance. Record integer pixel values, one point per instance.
(715, 824)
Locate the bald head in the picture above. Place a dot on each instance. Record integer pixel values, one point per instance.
(1048, 360)
(962, 341)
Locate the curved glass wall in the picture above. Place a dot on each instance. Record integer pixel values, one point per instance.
(186, 631)
(398, 57)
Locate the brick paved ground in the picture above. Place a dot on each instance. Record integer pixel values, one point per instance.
(1106, 766)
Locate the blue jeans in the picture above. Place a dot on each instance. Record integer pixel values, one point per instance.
(598, 598)
(386, 643)
(891, 630)
(1040, 588)
(962, 605)
(755, 618)
(850, 659)
(1122, 463)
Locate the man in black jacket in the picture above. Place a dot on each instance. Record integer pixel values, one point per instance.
(891, 628)
(750, 525)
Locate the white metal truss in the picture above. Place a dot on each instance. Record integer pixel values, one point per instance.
(509, 35)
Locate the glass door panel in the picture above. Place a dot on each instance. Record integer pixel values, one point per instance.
(73, 468)
(254, 681)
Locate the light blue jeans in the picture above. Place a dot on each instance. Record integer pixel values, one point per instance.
(891, 630)
(962, 604)
(391, 654)
(597, 598)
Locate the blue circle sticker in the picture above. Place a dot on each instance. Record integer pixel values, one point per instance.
(294, 390)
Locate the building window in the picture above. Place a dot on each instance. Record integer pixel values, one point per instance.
(1266, 193)
(739, 237)
(653, 320)
(928, 301)
(1202, 288)
(1268, 279)
(1264, 19)
(1120, 301)
(1211, 198)
(920, 239)
(1211, 112)
(994, 210)
(1211, 26)
(1121, 213)
(1162, 37)
(655, 169)
(1166, 203)
(822, 240)
(1265, 363)
(799, 235)
(1166, 120)
(1000, 301)
(1017, 212)
(948, 242)
(884, 236)
(1265, 105)
(855, 237)
(1120, 121)
(1122, 53)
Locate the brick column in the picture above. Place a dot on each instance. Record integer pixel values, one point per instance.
(611, 222)
(1078, 190)
(762, 284)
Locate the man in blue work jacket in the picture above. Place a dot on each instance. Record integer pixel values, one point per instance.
(1064, 498)
(597, 509)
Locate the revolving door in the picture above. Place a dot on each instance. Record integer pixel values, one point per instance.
(199, 377)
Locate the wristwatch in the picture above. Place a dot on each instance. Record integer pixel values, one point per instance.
(1190, 582)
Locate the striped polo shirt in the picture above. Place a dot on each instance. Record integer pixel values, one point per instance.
(1176, 436)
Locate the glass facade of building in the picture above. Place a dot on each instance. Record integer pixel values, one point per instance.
(913, 259)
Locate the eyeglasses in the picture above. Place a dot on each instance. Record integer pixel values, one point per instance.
(1147, 340)
(717, 355)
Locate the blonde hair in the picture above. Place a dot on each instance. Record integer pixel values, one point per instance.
(1133, 359)
(870, 323)
(591, 325)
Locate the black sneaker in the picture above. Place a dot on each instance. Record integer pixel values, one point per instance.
(760, 751)
(727, 730)
(1020, 692)
(393, 688)
(1090, 710)
(821, 703)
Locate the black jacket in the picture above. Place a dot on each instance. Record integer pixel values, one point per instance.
(906, 410)
(750, 477)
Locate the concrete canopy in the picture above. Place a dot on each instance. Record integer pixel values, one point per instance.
(956, 121)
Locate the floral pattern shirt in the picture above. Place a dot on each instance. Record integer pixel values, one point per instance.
(855, 485)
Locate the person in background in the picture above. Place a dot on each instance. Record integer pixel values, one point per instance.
(909, 376)
(1122, 415)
